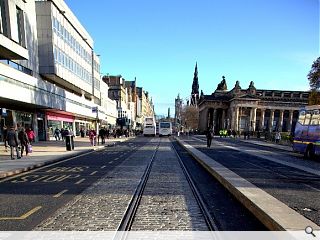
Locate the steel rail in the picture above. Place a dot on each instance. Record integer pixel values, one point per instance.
(128, 217)
(210, 221)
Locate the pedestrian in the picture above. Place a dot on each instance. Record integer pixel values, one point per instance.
(63, 134)
(57, 134)
(209, 136)
(5, 140)
(13, 142)
(234, 133)
(24, 141)
(31, 135)
(101, 135)
(92, 137)
(82, 132)
(108, 133)
(278, 137)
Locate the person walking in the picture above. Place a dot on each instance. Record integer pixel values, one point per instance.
(31, 135)
(278, 137)
(209, 136)
(101, 135)
(82, 132)
(57, 134)
(24, 141)
(13, 142)
(92, 137)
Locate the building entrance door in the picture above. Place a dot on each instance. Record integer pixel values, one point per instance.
(41, 130)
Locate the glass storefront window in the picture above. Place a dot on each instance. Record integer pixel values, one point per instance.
(52, 125)
(24, 119)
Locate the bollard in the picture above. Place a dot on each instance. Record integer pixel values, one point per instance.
(68, 143)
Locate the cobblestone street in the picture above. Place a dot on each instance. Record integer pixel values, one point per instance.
(168, 202)
(102, 205)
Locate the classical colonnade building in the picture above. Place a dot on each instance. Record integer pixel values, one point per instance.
(250, 109)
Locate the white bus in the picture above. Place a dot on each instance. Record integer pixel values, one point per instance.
(149, 126)
(165, 129)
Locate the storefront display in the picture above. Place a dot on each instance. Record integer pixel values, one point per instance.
(56, 120)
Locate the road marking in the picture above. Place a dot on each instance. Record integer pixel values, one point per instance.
(116, 159)
(60, 193)
(80, 181)
(103, 167)
(110, 162)
(24, 216)
(46, 166)
(93, 173)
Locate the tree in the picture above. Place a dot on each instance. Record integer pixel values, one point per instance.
(314, 98)
(190, 117)
(314, 82)
(314, 75)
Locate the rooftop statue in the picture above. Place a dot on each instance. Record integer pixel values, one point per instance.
(222, 86)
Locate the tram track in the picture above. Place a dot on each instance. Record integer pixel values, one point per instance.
(127, 220)
(212, 224)
(159, 188)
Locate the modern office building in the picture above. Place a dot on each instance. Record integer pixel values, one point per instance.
(49, 73)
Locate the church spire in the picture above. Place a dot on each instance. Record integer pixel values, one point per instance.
(195, 87)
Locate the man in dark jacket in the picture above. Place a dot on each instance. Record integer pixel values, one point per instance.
(209, 136)
(12, 139)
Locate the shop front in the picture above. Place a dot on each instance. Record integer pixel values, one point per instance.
(58, 121)
(6, 120)
(82, 125)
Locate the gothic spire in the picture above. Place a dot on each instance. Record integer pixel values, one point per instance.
(195, 87)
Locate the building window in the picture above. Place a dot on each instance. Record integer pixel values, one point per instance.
(3, 19)
(277, 94)
(20, 27)
(287, 95)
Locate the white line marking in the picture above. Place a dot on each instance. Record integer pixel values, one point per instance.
(60, 193)
(80, 181)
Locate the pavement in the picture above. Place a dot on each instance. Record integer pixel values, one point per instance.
(46, 152)
(261, 142)
(273, 213)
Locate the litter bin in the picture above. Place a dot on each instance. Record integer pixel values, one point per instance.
(68, 142)
(72, 142)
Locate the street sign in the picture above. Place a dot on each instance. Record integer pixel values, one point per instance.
(94, 109)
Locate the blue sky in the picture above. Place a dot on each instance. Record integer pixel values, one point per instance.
(270, 42)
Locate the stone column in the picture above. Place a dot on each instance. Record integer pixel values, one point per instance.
(223, 119)
(281, 120)
(250, 120)
(263, 112)
(290, 120)
(236, 119)
(214, 118)
(253, 113)
(203, 120)
(271, 119)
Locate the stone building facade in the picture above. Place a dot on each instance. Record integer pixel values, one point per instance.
(250, 109)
